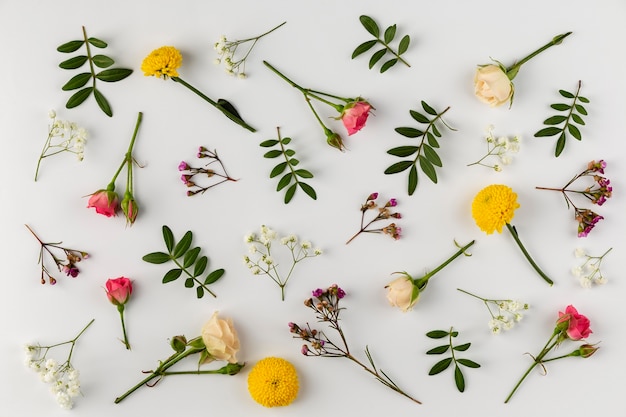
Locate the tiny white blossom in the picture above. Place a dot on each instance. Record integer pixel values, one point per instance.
(579, 252)
(577, 271)
(248, 238)
(497, 168)
(268, 260)
(306, 244)
(317, 251)
(585, 282)
(52, 114)
(506, 159)
(600, 280)
(256, 270)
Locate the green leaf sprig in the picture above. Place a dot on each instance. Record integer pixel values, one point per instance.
(290, 163)
(425, 153)
(388, 36)
(181, 249)
(108, 75)
(443, 364)
(575, 111)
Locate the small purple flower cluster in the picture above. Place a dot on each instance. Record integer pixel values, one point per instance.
(189, 172)
(384, 213)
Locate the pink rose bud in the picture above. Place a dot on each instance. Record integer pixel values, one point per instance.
(129, 207)
(334, 140)
(119, 290)
(183, 166)
(355, 115)
(575, 325)
(105, 202)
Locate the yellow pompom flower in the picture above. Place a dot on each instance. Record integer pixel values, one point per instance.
(273, 382)
(162, 62)
(493, 207)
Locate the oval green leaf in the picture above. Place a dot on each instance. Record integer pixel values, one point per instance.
(431, 139)
(78, 97)
(190, 257)
(560, 106)
(103, 103)
(364, 47)
(403, 151)
(555, 120)
(290, 152)
(412, 181)
(269, 143)
(190, 283)
(199, 292)
(168, 237)
(369, 25)
(566, 94)
(560, 145)
(70, 46)
(583, 99)
(428, 109)
(438, 350)
(404, 44)
(214, 276)
(97, 43)
(303, 173)
(73, 63)
(580, 109)
(376, 57)
(428, 168)
(573, 130)
(113, 74)
(459, 380)
(102, 61)
(156, 258)
(437, 334)
(440, 366)
(77, 81)
(419, 117)
(274, 153)
(576, 118)
(290, 193)
(285, 141)
(388, 64)
(200, 266)
(284, 181)
(308, 190)
(409, 132)
(172, 275)
(278, 169)
(468, 363)
(463, 347)
(182, 246)
(390, 33)
(432, 156)
(548, 131)
(398, 167)
(293, 162)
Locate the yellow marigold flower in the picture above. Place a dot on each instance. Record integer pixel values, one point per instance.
(493, 207)
(162, 62)
(273, 382)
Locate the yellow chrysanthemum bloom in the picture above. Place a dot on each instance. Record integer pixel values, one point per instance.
(273, 382)
(162, 62)
(493, 207)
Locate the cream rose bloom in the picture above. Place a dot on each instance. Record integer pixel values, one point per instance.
(492, 86)
(402, 293)
(220, 338)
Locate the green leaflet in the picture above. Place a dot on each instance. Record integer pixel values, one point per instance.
(422, 154)
(573, 114)
(442, 365)
(388, 37)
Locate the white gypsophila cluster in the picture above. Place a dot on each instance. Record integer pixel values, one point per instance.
(501, 147)
(226, 55)
(509, 313)
(63, 379)
(589, 273)
(66, 136)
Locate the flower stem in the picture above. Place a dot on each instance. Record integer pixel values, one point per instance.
(512, 71)
(222, 105)
(527, 255)
(421, 282)
(120, 308)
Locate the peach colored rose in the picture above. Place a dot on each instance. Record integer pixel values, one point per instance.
(220, 338)
(355, 115)
(492, 85)
(105, 202)
(402, 293)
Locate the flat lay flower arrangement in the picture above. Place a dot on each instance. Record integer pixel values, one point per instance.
(427, 142)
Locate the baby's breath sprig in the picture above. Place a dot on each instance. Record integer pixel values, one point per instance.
(500, 147)
(189, 172)
(264, 263)
(226, 53)
(63, 136)
(389, 34)
(504, 313)
(67, 265)
(589, 271)
(383, 213)
(63, 378)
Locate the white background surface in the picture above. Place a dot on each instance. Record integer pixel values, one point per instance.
(448, 40)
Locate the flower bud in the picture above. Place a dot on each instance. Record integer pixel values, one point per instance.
(178, 343)
(129, 207)
(586, 350)
(334, 140)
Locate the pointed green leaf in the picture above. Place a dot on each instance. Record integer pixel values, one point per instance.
(364, 47)
(377, 56)
(573, 130)
(303, 173)
(290, 193)
(199, 292)
(438, 350)
(440, 366)
(555, 120)
(388, 64)
(73, 63)
(454, 333)
(168, 237)
(190, 257)
(77, 81)
(583, 99)
(156, 258)
(403, 151)
(269, 143)
(462, 347)
(431, 140)
(290, 152)
(102, 61)
(560, 145)
(308, 190)
(285, 141)
(566, 94)
(370, 25)
(561, 106)
(390, 33)
(428, 109)
(172, 275)
(103, 103)
(97, 43)
(189, 283)
(435, 131)
(274, 153)
(113, 74)
(580, 109)
(214, 276)
(404, 44)
(182, 246)
(419, 117)
(409, 132)
(548, 131)
(293, 162)
(70, 46)
(468, 363)
(200, 266)
(412, 180)
(576, 118)
(432, 156)
(278, 169)
(459, 379)
(437, 334)
(398, 167)
(428, 169)
(78, 97)
(284, 181)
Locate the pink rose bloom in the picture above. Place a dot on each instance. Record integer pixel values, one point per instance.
(577, 324)
(105, 202)
(355, 115)
(119, 290)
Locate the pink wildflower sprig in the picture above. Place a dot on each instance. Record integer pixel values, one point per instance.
(325, 304)
(384, 213)
(67, 265)
(597, 193)
(190, 172)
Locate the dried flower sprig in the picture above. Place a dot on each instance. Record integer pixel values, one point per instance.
(501, 147)
(444, 364)
(575, 111)
(262, 260)
(325, 304)
(64, 377)
(384, 213)
(182, 249)
(67, 265)
(504, 312)
(353, 112)
(226, 53)
(189, 172)
(589, 271)
(425, 153)
(109, 75)
(597, 193)
(569, 326)
(388, 36)
(63, 136)
(293, 174)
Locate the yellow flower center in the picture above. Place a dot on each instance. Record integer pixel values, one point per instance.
(493, 207)
(273, 382)
(162, 62)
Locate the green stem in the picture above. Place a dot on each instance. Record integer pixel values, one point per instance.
(89, 58)
(194, 278)
(120, 308)
(421, 282)
(393, 52)
(512, 70)
(228, 113)
(527, 255)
